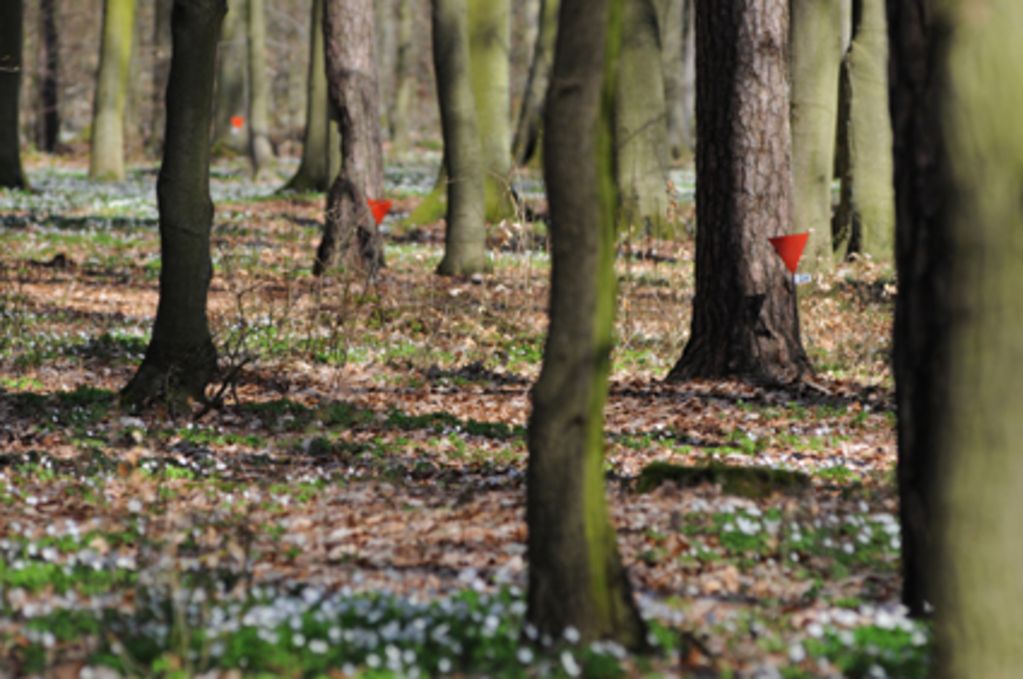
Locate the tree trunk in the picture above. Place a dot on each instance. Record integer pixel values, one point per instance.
(816, 58)
(404, 78)
(959, 315)
(527, 132)
(49, 104)
(868, 200)
(745, 318)
(674, 25)
(181, 359)
(641, 132)
(106, 161)
(351, 73)
(489, 66)
(576, 578)
(321, 152)
(161, 71)
(465, 235)
(11, 174)
(230, 104)
(261, 152)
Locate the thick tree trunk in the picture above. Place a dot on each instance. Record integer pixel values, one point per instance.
(816, 57)
(11, 174)
(106, 161)
(321, 147)
(867, 213)
(745, 318)
(351, 73)
(576, 578)
(400, 117)
(231, 84)
(959, 361)
(261, 152)
(641, 131)
(527, 131)
(465, 235)
(181, 358)
(161, 71)
(49, 104)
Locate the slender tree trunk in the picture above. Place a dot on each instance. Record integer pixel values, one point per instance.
(816, 49)
(641, 132)
(321, 152)
(465, 235)
(161, 71)
(107, 158)
(959, 315)
(674, 27)
(576, 578)
(867, 212)
(745, 318)
(49, 104)
(261, 152)
(181, 358)
(489, 43)
(11, 174)
(404, 79)
(351, 73)
(527, 132)
(231, 99)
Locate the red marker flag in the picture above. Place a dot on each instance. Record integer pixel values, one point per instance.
(237, 122)
(379, 208)
(790, 248)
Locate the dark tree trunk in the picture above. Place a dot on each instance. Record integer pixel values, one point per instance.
(351, 73)
(49, 106)
(576, 578)
(745, 317)
(161, 71)
(527, 131)
(181, 358)
(11, 174)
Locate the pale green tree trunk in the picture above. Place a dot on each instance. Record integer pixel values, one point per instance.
(527, 131)
(181, 359)
(261, 152)
(868, 211)
(106, 161)
(489, 66)
(641, 131)
(321, 152)
(231, 98)
(576, 578)
(11, 14)
(676, 25)
(465, 234)
(959, 168)
(400, 117)
(816, 51)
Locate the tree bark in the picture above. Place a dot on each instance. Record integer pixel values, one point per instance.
(527, 131)
(745, 317)
(231, 84)
(161, 71)
(867, 213)
(816, 57)
(181, 359)
(261, 152)
(959, 362)
(465, 234)
(674, 23)
(576, 578)
(49, 104)
(321, 147)
(11, 174)
(351, 73)
(404, 79)
(641, 131)
(106, 161)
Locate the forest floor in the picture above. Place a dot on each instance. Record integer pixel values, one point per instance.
(356, 507)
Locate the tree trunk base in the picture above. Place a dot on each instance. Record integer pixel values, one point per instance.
(171, 377)
(350, 232)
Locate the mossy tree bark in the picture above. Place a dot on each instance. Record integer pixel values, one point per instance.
(465, 234)
(816, 57)
(181, 359)
(641, 128)
(261, 152)
(11, 15)
(527, 131)
(576, 578)
(161, 71)
(321, 147)
(49, 105)
(352, 82)
(231, 84)
(106, 161)
(866, 217)
(959, 167)
(745, 317)
(676, 65)
(400, 117)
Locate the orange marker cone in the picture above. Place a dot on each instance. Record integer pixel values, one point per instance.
(379, 208)
(790, 248)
